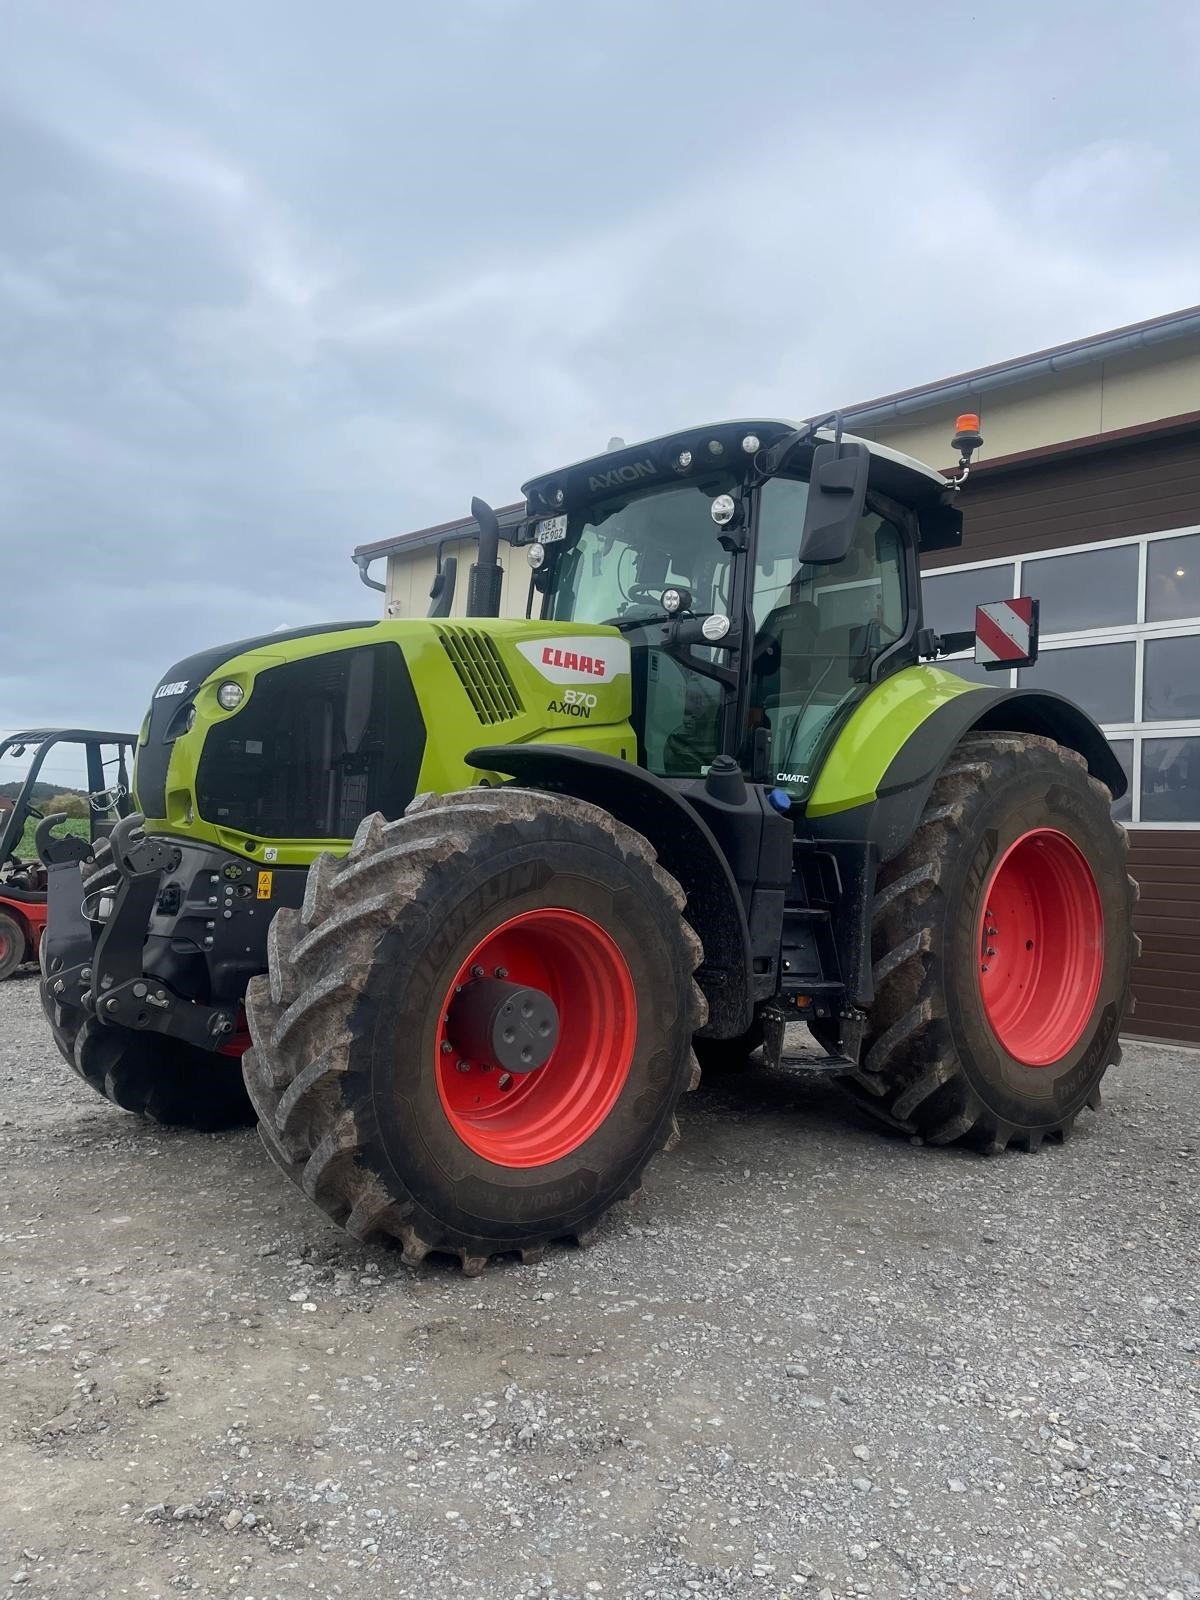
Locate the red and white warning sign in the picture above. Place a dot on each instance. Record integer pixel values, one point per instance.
(1006, 632)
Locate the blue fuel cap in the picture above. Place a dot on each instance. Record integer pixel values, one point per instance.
(781, 800)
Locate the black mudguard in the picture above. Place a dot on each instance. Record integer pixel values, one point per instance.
(684, 844)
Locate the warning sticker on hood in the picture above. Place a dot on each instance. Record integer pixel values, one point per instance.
(580, 660)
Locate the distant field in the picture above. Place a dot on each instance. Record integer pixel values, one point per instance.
(27, 850)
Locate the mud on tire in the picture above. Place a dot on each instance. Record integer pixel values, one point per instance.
(345, 1067)
(932, 1062)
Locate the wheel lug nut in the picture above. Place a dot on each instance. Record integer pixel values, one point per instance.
(446, 1047)
(989, 951)
(477, 972)
(463, 1066)
(502, 972)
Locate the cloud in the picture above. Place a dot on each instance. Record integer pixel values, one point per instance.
(278, 280)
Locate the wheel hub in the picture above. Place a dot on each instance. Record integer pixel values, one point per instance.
(535, 1037)
(508, 1025)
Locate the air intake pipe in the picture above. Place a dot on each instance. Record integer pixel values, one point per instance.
(487, 575)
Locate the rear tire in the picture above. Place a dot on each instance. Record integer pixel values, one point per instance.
(982, 1029)
(12, 945)
(353, 1072)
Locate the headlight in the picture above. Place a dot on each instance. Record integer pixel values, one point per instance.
(535, 555)
(230, 696)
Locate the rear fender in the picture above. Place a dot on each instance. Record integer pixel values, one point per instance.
(889, 819)
(684, 844)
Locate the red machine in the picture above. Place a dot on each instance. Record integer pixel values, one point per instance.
(108, 758)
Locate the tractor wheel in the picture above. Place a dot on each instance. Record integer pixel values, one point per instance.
(1002, 945)
(728, 1055)
(12, 945)
(475, 1032)
(162, 1078)
(146, 1073)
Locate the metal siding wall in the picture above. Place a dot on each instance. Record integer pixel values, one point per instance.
(1141, 487)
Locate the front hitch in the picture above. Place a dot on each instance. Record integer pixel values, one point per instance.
(121, 993)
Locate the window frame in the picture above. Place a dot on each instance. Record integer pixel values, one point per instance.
(1138, 633)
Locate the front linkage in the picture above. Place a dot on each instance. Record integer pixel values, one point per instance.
(96, 957)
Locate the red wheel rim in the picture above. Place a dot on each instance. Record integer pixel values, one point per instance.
(531, 1118)
(1041, 947)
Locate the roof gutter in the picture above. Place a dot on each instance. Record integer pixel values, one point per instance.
(363, 563)
(1086, 355)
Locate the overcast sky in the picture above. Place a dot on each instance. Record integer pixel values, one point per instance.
(279, 278)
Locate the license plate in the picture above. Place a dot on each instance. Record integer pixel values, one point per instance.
(551, 530)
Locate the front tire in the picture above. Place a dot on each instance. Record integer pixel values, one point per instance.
(1002, 945)
(369, 1093)
(148, 1074)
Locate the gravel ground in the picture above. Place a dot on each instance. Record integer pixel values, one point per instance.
(812, 1361)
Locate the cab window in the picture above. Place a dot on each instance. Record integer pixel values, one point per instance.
(819, 629)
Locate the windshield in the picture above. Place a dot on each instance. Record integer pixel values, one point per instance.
(619, 556)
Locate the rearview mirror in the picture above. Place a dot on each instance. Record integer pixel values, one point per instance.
(837, 492)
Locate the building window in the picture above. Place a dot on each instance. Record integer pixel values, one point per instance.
(1173, 579)
(951, 597)
(1098, 677)
(1096, 589)
(1120, 635)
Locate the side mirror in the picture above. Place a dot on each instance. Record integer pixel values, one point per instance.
(441, 590)
(837, 493)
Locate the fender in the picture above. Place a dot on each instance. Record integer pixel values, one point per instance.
(684, 844)
(904, 775)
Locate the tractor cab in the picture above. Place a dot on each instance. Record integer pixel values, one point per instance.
(41, 764)
(764, 575)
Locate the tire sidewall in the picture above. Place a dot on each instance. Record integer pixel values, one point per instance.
(1042, 794)
(12, 945)
(395, 1037)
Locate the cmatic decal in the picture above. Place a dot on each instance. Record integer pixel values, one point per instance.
(587, 660)
(1007, 631)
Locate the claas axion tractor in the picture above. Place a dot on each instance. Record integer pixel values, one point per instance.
(464, 906)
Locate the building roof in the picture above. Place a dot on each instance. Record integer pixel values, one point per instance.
(889, 407)
(1023, 369)
(423, 538)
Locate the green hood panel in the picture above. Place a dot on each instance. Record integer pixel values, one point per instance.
(482, 681)
(875, 732)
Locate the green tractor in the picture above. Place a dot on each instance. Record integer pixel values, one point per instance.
(467, 904)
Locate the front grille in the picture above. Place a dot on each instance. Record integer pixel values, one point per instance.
(482, 673)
